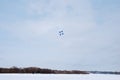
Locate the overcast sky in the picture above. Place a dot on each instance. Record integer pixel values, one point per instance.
(29, 34)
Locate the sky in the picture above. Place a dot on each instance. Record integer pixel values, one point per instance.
(29, 34)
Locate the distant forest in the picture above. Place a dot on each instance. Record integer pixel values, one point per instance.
(39, 70)
(36, 70)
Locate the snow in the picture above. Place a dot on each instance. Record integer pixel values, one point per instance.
(58, 77)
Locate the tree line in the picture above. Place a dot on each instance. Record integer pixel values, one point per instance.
(39, 70)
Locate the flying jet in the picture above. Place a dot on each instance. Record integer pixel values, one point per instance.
(61, 33)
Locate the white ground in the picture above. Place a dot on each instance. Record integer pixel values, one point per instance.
(58, 77)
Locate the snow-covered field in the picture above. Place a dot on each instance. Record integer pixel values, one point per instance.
(58, 77)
